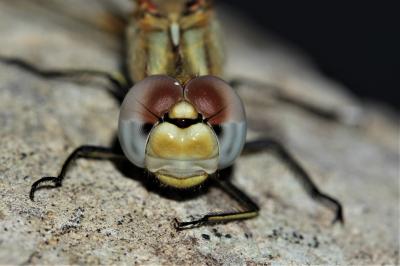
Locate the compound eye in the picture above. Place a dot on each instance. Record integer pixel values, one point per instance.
(222, 108)
(145, 105)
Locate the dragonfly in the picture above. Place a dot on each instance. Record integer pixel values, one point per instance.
(179, 119)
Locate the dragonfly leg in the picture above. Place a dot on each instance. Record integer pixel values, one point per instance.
(249, 208)
(92, 152)
(119, 82)
(279, 94)
(305, 179)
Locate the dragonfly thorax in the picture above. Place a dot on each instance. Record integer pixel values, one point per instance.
(177, 38)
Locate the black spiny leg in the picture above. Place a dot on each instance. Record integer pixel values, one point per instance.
(118, 81)
(279, 94)
(93, 152)
(298, 170)
(249, 208)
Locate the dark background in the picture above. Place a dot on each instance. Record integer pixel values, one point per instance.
(354, 43)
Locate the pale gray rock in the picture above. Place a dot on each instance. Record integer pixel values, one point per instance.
(101, 216)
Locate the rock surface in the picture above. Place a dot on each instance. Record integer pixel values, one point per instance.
(101, 216)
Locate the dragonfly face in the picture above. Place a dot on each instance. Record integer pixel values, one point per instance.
(182, 133)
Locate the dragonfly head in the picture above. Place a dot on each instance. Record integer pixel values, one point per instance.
(182, 133)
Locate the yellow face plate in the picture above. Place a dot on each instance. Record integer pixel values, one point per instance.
(171, 142)
(182, 157)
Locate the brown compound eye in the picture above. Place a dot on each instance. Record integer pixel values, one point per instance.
(143, 106)
(151, 98)
(215, 100)
(222, 108)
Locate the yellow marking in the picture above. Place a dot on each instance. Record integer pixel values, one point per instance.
(194, 52)
(171, 142)
(159, 59)
(183, 110)
(233, 216)
(182, 182)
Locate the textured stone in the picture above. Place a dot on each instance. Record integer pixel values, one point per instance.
(102, 216)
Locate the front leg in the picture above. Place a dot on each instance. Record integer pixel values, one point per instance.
(92, 152)
(305, 179)
(249, 208)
